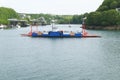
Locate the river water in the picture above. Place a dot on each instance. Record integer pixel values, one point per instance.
(26, 58)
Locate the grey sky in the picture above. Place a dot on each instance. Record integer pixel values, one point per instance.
(52, 6)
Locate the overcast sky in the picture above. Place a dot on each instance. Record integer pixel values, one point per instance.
(70, 7)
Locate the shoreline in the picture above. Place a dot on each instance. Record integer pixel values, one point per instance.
(103, 27)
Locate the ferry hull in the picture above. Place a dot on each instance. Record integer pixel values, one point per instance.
(57, 34)
(53, 35)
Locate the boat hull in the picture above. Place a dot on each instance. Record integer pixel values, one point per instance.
(57, 34)
(60, 35)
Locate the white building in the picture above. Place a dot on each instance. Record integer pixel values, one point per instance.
(117, 9)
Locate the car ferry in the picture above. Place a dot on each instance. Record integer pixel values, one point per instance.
(60, 34)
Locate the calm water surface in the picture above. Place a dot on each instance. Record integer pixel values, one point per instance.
(26, 58)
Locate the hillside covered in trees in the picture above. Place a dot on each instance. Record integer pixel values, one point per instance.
(107, 14)
(7, 13)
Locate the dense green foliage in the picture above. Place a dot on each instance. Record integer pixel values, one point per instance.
(105, 18)
(109, 4)
(6, 13)
(78, 19)
(105, 15)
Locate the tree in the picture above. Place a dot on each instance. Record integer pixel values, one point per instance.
(77, 19)
(113, 5)
(103, 8)
(94, 18)
(109, 18)
(6, 13)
